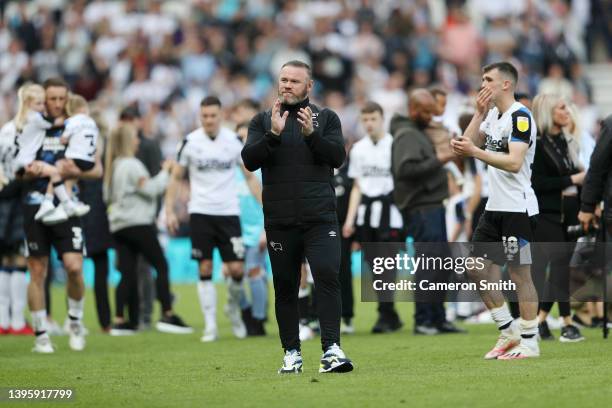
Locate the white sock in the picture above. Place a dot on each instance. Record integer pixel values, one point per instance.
(39, 321)
(61, 193)
(75, 308)
(529, 331)
(49, 197)
(235, 290)
(207, 293)
(5, 299)
(19, 294)
(502, 317)
(304, 292)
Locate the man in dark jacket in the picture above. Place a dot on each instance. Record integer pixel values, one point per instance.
(297, 144)
(598, 180)
(421, 185)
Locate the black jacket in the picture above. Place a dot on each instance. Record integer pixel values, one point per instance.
(598, 181)
(296, 170)
(549, 177)
(419, 178)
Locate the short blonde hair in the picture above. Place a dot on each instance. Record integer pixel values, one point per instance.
(75, 102)
(543, 107)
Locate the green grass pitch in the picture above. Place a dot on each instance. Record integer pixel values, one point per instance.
(398, 370)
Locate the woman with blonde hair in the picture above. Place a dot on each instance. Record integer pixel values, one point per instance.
(556, 177)
(584, 138)
(132, 206)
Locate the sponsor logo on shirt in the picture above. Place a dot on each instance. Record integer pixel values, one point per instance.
(375, 171)
(53, 144)
(496, 145)
(214, 164)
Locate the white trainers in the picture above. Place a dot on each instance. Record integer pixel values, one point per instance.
(56, 216)
(66, 326)
(77, 336)
(46, 208)
(43, 345)
(335, 361)
(347, 328)
(292, 362)
(54, 329)
(232, 311)
(75, 208)
(503, 345)
(306, 333)
(519, 352)
(210, 335)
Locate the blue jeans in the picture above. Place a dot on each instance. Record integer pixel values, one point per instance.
(428, 225)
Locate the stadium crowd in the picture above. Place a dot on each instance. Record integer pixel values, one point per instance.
(149, 70)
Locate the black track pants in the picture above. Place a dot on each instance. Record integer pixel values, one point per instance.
(320, 244)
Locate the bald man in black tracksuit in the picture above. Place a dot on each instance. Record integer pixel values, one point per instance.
(297, 145)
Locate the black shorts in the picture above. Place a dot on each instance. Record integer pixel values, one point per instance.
(504, 237)
(221, 231)
(65, 237)
(83, 165)
(12, 249)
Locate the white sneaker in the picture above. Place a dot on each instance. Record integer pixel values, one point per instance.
(57, 216)
(43, 345)
(54, 329)
(210, 335)
(292, 362)
(335, 361)
(347, 328)
(554, 324)
(66, 327)
(46, 208)
(519, 352)
(77, 336)
(232, 311)
(306, 333)
(503, 345)
(76, 208)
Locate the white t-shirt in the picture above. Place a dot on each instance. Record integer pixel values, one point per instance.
(212, 166)
(30, 139)
(8, 148)
(511, 192)
(370, 166)
(82, 133)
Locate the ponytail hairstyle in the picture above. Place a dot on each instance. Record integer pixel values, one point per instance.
(25, 95)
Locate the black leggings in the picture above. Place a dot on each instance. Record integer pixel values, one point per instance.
(129, 243)
(556, 287)
(100, 261)
(320, 244)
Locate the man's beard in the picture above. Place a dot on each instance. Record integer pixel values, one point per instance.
(292, 100)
